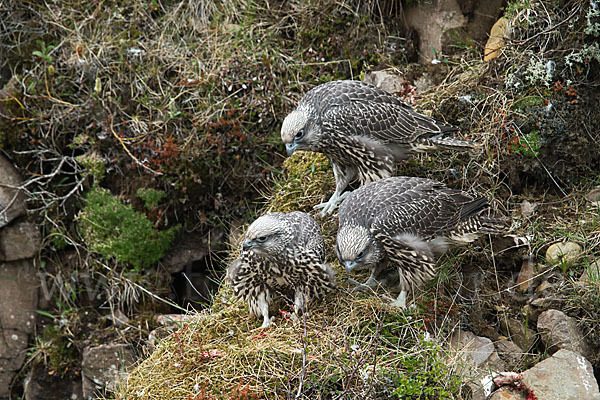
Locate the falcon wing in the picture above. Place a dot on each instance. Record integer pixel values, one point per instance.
(354, 108)
(307, 233)
(419, 206)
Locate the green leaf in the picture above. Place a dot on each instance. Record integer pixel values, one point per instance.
(45, 314)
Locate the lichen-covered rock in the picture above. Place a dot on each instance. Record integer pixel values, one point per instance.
(559, 331)
(19, 240)
(12, 201)
(18, 300)
(565, 376)
(105, 366)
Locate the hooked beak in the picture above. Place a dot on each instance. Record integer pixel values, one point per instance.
(291, 148)
(349, 265)
(248, 244)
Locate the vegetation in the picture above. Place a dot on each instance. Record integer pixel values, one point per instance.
(116, 230)
(135, 123)
(353, 346)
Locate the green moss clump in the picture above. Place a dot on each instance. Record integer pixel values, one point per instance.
(305, 180)
(150, 197)
(55, 349)
(114, 229)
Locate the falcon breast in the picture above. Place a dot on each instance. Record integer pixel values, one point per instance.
(282, 254)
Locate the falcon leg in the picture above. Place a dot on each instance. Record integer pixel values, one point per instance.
(263, 309)
(299, 301)
(299, 305)
(343, 176)
(400, 302)
(333, 203)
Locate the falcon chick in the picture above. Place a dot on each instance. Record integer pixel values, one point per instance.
(281, 254)
(404, 224)
(363, 130)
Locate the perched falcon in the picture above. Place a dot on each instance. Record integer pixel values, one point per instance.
(363, 130)
(281, 254)
(404, 224)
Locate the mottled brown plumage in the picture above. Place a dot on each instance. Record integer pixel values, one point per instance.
(363, 130)
(404, 224)
(282, 254)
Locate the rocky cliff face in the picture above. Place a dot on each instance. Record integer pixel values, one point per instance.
(19, 281)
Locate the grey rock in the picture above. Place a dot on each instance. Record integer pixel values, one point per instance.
(594, 196)
(104, 366)
(18, 300)
(559, 331)
(386, 80)
(476, 349)
(591, 274)
(39, 385)
(12, 201)
(118, 318)
(508, 393)
(19, 240)
(191, 247)
(5, 380)
(565, 252)
(480, 354)
(526, 275)
(564, 376)
(509, 352)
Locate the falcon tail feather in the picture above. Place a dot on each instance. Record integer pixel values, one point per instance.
(453, 143)
(492, 225)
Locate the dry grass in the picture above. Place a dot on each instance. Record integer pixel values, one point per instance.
(349, 346)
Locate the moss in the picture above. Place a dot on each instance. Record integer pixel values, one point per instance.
(116, 230)
(305, 180)
(55, 350)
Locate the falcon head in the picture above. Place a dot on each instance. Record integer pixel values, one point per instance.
(356, 248)
(266, 237)
(298, 132)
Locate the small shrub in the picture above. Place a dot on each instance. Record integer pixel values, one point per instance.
(150, 197)
(114, 229)
(528, 144)
(425, 375)
(93, 163)
(55, 350)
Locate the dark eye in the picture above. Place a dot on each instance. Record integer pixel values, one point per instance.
(299, 134)
(360, 255)
(261, 239)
